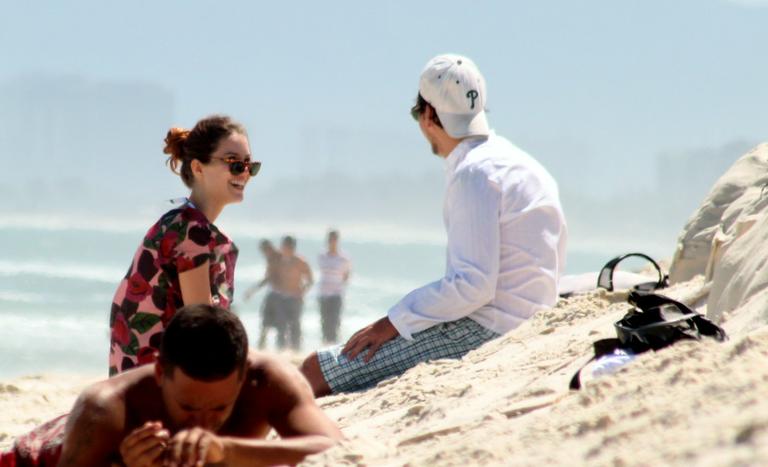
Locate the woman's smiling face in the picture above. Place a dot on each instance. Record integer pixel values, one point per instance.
(215, 178)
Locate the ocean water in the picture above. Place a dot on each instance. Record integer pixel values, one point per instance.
(57, 283)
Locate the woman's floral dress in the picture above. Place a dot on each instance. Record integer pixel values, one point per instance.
(149, 295)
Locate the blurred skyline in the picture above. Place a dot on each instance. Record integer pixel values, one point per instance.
(635, 106)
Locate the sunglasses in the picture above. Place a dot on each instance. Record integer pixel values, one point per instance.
(605, 278)
(236, 166)
(418, 108)
(416, 111)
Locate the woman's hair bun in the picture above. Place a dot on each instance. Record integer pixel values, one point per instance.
(174, 146)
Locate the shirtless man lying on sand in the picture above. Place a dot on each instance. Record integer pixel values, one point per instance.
(205, 402)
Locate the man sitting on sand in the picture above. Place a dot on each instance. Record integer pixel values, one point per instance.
(506, 244)
(205, 401)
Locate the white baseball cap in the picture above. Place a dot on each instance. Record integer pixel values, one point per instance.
(453, 85)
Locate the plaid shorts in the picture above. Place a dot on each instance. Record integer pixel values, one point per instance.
(452, 339)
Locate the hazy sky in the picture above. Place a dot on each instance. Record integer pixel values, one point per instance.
(596, 89)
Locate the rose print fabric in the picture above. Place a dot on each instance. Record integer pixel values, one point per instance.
(149, 294)
(40, 448)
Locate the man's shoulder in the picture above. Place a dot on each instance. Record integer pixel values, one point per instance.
(102, 403)
(295, 258)
(277, 377)
(502, 163)
(338, 257)
(108, 390)
(263, 364)
(495, 150)
(113, 393)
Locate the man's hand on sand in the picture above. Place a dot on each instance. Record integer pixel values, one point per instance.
(194, 447)
(145, 446)
(370, 337)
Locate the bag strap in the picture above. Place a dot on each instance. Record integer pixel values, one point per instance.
(647, 301)
(602, 347)
(708, 328)
(605, 278)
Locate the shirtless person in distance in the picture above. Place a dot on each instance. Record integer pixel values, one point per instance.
(270, 317)
(295, 281)
(206, 401)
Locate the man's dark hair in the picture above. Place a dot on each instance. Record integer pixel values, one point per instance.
(421, 106)
(333, 234)
(206, 342)
(289, 241)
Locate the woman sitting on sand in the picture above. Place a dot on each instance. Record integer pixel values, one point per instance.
(184, 258)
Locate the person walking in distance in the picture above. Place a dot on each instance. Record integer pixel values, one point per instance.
(270, 318)
(295, 281)
(334, 275)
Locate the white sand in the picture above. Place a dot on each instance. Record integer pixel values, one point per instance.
(508, 403)
(31, 400)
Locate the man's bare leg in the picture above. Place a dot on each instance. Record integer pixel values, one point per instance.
(311, 370)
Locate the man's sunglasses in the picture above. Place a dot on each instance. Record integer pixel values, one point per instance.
(236, 166)
(419, 107)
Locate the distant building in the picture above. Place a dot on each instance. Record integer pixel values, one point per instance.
(68, 135)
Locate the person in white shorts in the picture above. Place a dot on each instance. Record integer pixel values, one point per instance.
(334, 274)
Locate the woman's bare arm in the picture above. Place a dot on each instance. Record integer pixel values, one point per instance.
(196, 285)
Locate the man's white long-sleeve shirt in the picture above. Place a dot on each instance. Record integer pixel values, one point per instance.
(506, 242)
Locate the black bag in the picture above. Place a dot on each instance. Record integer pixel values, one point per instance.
(653, 323)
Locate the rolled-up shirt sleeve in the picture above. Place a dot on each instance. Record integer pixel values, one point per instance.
(473, 226)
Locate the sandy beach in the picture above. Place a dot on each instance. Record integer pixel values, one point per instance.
(28, 401)
(508, 403)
